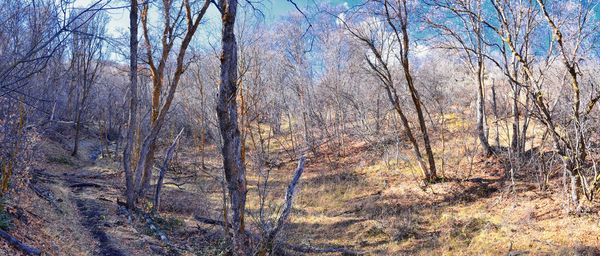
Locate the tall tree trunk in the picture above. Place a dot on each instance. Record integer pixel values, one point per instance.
(149, 164)
(133, 47)
(482, 128)
(403, 38)
(422, 126)
(414, 93)
(393, 97)
(235, 173)
(147, 174)
(481, 117)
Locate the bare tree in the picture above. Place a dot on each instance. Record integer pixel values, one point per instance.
(382, 46)
(463, 32)
(568, 135)
(86, 61)
(177, 21)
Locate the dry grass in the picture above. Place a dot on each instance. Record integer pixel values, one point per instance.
(370, 199)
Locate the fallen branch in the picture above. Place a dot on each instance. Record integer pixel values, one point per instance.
(19, 245)
(210, 221)
(286, 246)
(46, 195)
(105, 199)
(178, 185)
(85, 184)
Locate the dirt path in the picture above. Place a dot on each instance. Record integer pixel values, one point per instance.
(81, 199)
(93, 213)
(84, 197)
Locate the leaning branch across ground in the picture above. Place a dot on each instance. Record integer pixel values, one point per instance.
(20, 245)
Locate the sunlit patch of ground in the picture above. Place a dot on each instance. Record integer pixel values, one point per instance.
(365, 197)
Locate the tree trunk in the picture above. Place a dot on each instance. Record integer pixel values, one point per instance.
(133, 46)
(408, 132)
(481, 118)
(147, 174)
(495, 109)
(403, 15)
(77, 124)
(235, 173)
(77, 134)
(516, 120)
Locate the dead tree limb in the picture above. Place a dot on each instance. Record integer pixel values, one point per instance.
(18, 244)
(163, 170)
(268, 242)
(85, 184)
(283, 245)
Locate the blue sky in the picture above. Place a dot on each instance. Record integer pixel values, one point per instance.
(119, 18)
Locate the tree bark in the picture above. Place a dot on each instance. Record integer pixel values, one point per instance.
(235, 172)
(133, 48)
(495, 110)
(77, 125)
(481, 116)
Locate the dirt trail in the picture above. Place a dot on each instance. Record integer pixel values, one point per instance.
(80, 191)
(92, 210)
(93, 213)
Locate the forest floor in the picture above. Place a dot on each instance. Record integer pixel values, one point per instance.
(355, 198)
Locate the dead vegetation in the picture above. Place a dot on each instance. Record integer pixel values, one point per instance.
(405, 127)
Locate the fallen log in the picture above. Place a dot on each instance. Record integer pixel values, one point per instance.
(29, 250)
